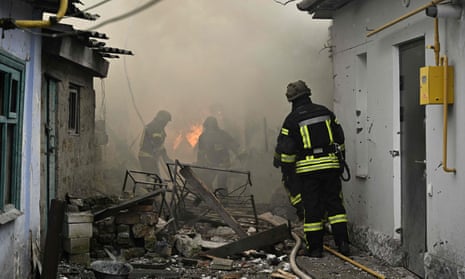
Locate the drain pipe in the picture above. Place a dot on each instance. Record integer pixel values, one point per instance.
(445, 65)
(436, 47)
(11, 23)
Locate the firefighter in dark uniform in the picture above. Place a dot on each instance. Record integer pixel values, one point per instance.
(152, 150)
(309, 151)
(215, 146)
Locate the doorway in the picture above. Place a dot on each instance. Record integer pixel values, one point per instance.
(413, 155)
(48, 149)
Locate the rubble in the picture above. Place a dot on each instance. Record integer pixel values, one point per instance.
(208, 238)
(196, 241)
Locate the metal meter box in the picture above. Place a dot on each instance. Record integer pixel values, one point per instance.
(432, 85)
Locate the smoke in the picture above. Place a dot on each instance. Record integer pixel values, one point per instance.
(195, 58)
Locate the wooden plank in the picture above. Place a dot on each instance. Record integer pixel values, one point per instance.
(256, 241)
(53, 239)
(113, 210)
(210, 199)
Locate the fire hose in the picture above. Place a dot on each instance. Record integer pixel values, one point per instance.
(298, 242)
(295, 268)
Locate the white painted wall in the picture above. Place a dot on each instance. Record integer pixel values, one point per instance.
(15, 244)
(375, 201)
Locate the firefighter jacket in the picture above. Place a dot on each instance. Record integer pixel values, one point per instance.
(153, 139)
(214, 147)
(309, 139)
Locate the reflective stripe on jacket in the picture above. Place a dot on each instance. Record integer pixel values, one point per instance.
(308, 138)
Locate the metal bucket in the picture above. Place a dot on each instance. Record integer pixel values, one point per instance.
(111, 269)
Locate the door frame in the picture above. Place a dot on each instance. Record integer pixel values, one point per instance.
(404, 211)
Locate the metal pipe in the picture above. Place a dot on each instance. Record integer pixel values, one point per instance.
(445, 65)
(349, 260)
(44, 23)
(389, 24)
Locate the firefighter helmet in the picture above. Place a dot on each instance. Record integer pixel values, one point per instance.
(297, 89)
(163, 116)
(210, 123)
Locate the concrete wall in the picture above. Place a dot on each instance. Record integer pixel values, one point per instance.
(373, 202)
(15, 243)
(76, 154)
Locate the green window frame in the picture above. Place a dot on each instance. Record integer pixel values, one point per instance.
(11, 106)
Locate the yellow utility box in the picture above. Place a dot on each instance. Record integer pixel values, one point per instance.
(432, 85)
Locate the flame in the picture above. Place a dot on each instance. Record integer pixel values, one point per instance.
(193, 135)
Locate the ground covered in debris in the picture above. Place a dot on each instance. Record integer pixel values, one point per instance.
(271, 262)
(265, 266)
(198, 234)
(331, 267)
(255, 266)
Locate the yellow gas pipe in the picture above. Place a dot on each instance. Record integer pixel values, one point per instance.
(44, 23)
(349, 260)
(445, 65)
(436, 47)
(416, 11)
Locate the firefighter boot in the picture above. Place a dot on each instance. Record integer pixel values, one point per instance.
(344, 248)
(341, 238)
(315, 244)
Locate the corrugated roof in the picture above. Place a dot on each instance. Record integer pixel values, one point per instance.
(91, 39)
(322, 9)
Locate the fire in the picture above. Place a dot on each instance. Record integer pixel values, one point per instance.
(193, 135)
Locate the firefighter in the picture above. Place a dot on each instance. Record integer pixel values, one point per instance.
(215, 146)
(152, 150)
(308, 151)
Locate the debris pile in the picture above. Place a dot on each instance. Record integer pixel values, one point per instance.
(192, 235)
(207, 249)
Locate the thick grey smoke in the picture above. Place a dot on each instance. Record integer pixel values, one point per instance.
(195, 58)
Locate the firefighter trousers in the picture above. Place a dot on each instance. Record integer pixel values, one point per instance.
(321, 193)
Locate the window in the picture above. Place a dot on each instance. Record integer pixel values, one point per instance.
(11, 103)
(74, 105)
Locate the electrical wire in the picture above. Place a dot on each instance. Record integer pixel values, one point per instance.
(111, 20)
(284, 3)
(103, 109)
(126, 15)
(96, 5)
(130, 91)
